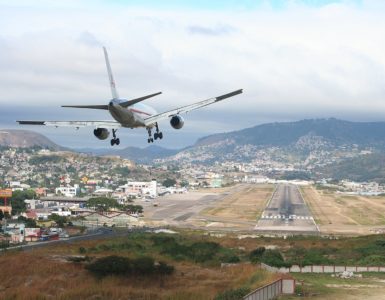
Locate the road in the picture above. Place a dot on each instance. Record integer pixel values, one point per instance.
(287, 212)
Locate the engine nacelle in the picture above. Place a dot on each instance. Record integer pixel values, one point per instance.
(177, 122)
(101, 133)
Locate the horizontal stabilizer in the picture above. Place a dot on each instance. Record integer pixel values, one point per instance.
(133, 101)
(105, 107)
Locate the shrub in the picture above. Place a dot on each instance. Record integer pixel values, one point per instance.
(273, 258)
(203, 251)
(110, 265)
(233, 294)
(118, 265)
(232, 259)
(256, 255)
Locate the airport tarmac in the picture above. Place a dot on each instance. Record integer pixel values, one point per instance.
(287, 212)
(187, 210)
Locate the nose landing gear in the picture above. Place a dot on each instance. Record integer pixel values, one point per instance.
(115, 140)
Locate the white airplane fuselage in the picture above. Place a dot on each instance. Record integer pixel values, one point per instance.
(132, 116)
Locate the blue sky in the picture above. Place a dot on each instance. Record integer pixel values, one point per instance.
(294, 60)
(229, 4)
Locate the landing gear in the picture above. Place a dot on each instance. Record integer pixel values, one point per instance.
(157, 134)
(115, 140)
(150, 139)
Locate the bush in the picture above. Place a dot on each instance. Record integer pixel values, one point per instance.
(203, 251)
(118, 265)
(273, 258)
(256, 255)
(234, 294)
(233, 259)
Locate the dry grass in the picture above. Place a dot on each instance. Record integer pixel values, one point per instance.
(246, 203)
(338, 213)
(45, 274)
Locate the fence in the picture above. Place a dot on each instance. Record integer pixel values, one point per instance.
(323, 269)
(272, 290)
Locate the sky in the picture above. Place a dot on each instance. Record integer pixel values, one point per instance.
(294, 59)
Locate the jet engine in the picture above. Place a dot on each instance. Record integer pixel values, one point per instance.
(101, 133)
(177, 122)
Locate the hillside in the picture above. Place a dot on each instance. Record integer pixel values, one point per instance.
(139, 155)
(369, 167)
(303, 143)
(26, 139)
(336, 132)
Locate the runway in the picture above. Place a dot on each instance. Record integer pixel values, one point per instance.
(287, 212)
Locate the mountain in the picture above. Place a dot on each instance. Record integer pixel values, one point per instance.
(368, 167)
(297, 145)
(139, 155)
(26, 139)
(335, 131)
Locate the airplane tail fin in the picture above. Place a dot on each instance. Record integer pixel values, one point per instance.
(114, 92)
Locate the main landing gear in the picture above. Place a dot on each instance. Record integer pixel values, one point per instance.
(115, 140)
(157, 134)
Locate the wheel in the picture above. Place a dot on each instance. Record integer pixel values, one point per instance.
(160, 135)
(112, 142)
(156, 135)
(152, 140)
(117, 142)
(149, 140)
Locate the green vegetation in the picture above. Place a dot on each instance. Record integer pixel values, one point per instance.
(169, 182)
(370, 167)
(29, 223)
(233, 294)
(119, 265)
(17, 200)
(106, 204)
(199, 252)
(43, 159)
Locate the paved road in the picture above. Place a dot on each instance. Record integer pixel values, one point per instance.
(286, 212)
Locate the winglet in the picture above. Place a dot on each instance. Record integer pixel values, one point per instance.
(110, 77)
(228, 95)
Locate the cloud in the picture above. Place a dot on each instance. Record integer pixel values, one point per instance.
(211, 31)
(295, 62)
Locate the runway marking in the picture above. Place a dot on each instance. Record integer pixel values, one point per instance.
(285, 217)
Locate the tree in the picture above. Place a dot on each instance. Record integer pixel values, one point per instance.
(102, 203)
(59, 220)
(169, 182)
(29, 223)
(17, 200)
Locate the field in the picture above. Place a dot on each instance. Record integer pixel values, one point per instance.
(345, 214)
(52, 272)
(49, 273)
(323, 286)
(246, 203)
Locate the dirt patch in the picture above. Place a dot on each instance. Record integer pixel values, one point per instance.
(246, 203)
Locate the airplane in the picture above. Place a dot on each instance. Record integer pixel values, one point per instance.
(130, 113)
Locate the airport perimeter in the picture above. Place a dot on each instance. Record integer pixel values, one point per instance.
(266, 209)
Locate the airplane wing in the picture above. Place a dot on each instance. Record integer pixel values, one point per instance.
(185, 109)
(77, 124)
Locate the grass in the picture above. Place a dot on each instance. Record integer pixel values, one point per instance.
(46, 273)
(324, 286)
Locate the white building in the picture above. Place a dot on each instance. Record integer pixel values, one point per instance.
(139, 188)
(67, 191)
